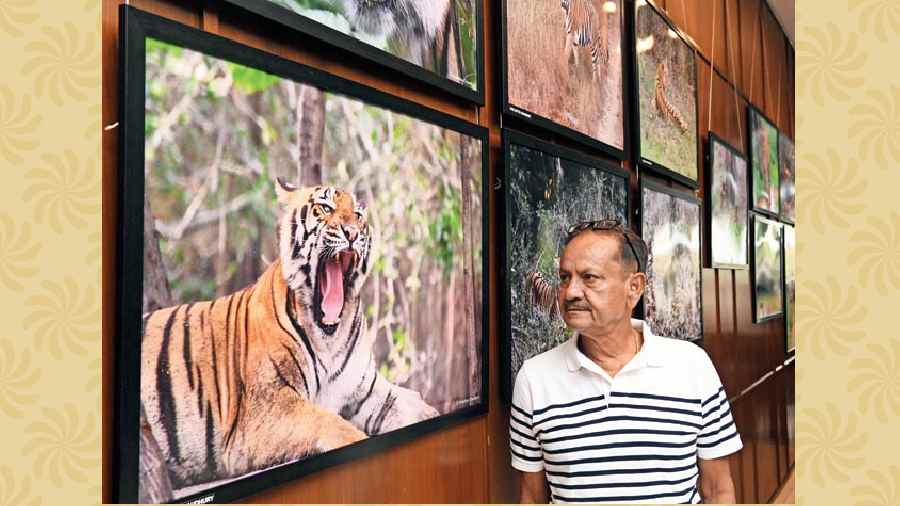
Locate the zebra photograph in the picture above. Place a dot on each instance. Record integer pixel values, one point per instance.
(549, 190)
(577, 53)
(667, 95)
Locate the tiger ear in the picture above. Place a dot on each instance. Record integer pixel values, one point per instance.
(284, 190)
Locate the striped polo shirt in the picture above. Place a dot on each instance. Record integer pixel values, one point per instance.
(634, 437)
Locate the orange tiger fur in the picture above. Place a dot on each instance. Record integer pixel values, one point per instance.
(584, 28)
(541, 293)
(265, 375)
(661, 103)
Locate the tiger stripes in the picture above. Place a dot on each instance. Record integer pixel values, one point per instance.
(584, 28)
(541, 293)
(661, 102)
(257, 378)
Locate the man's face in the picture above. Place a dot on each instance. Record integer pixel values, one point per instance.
(596, 291)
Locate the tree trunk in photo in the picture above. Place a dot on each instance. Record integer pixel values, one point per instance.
(156, 284)
(310, 135)
(154, 486)
(468, 262)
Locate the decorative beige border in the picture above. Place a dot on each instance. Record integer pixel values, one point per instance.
(848, 276)
(49, 252)
(848, 251)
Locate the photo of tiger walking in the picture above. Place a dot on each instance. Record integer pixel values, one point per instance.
(667, 93)
(577, 52)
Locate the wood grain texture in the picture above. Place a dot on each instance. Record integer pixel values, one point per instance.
(742, 55)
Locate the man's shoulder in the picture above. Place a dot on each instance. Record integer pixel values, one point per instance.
(680, 351)
(550, 361)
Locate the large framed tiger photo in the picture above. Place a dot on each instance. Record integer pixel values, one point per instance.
(563, 69)
(301, 268)
(438, 42)
(665, 75)
(548, 189)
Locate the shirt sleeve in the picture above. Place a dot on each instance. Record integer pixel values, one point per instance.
(525, 451)
(718, 434)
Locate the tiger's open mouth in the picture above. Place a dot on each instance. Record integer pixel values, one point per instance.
(332, 284)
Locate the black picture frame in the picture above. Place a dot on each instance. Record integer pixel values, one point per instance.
(135, 27)
(751, 111)
(298, 22)
(520, 115)
(710, 179)
(645, 163)
(754, 256)
(648, 184)
(509, 138)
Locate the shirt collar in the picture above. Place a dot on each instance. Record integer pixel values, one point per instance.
(648, 356)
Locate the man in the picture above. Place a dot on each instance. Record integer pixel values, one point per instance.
(617, 414)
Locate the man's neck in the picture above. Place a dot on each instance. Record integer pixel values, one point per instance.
(611, 350)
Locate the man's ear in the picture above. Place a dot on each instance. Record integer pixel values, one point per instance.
(284, 190)
(637, 282)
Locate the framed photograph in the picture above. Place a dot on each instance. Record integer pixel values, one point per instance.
(727, 200)
(439, 42)
(764, 179)
(296, 290)
(788, 190)
(666, 84)
(767, 264)
(577, 53)
(790, 288)
(670, 225)
(548, 189)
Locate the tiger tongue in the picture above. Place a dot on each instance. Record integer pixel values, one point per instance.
(332, 292)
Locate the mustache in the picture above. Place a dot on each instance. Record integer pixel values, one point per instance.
(576, 304)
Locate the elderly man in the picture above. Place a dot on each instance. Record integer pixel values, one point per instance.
(617, 414)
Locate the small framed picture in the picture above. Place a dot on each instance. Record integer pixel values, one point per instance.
(670, 225)
(767, 274)
(727, 200)
(764, 173)
(666, 87)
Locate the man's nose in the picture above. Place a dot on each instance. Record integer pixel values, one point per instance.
(572, 290)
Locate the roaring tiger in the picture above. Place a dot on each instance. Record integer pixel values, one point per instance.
(279, 370)
(584, 28)
(661, 102)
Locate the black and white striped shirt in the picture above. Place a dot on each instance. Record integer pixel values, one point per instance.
(634, 437)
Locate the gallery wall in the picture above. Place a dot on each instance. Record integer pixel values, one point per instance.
(744, 58)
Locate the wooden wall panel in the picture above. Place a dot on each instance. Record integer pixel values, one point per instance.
(742, 55)
(751, 51)
(766, 445)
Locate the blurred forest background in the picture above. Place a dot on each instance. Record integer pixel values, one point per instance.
(461, 55)
(661, 140)
(218, 134)
(536, 64)
(671, 229)
(764, 157)
(728, 195)
(546, 196)
(767, 260)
